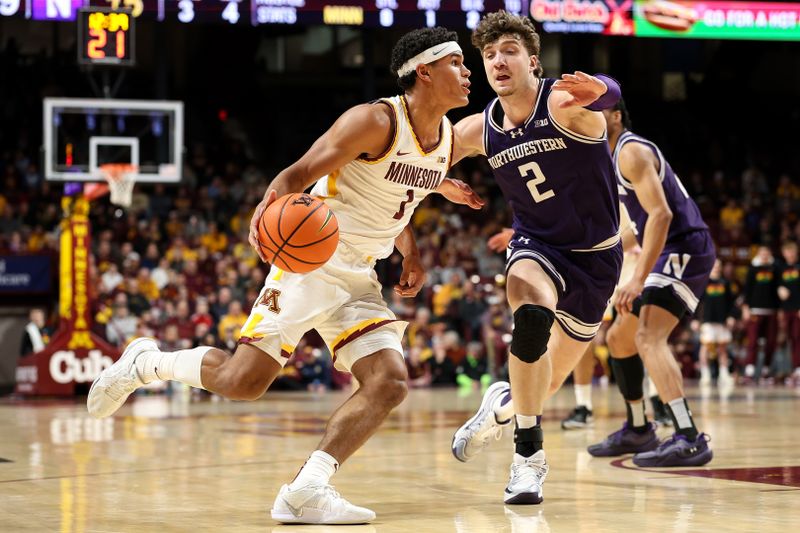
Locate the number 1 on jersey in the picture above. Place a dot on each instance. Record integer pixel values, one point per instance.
(401, 212)
(538, 179)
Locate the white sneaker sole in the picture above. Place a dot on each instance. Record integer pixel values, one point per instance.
(97, 387)
(571, 424)
(316, 516)
(523, 498)
(459, 443)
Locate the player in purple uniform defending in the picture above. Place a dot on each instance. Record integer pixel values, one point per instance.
(550, 157)
(670, 277)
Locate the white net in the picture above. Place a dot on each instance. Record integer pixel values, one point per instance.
(121, 179)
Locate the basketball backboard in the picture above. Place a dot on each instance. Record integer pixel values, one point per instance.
(81, 134)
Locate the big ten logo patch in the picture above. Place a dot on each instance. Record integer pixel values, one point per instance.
(270, 300)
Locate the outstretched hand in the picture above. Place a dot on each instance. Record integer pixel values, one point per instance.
(253, 236)
(583, 88)
(459, 192)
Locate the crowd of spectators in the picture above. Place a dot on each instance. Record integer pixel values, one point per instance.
(176, 265)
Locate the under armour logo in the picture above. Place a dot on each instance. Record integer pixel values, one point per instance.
(524, 240)
(516, 133)
(304, 199)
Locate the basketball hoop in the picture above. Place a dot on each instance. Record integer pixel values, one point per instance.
(121, 178)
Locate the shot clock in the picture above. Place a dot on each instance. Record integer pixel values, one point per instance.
(106, 36)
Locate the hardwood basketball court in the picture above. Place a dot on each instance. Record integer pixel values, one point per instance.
(173, 464)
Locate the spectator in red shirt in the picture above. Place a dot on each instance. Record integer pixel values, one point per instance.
(182, 320)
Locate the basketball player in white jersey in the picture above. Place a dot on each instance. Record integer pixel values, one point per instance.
(378, 162)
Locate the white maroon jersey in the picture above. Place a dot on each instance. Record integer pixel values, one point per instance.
(373, 199)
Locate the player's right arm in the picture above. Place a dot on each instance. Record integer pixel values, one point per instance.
(639, 165)
(364, 130)
(467, 142)
(468, 138)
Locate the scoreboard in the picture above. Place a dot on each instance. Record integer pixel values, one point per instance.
(453, 14)
(687, 19)
(105, 37)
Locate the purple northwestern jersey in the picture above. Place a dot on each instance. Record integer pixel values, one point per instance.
(560, 184)
(686, 216)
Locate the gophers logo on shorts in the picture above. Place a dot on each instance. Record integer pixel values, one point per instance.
(270, 300)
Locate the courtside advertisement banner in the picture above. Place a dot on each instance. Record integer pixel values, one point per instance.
(717, 20)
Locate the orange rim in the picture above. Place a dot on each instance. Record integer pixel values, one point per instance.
(113, 172)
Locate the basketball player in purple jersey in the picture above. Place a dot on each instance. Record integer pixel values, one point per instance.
(550, 157)
(669, 280)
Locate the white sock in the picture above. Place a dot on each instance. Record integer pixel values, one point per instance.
(682, 414)
(583, 395)
(504, 411)
(525, 421)
(183, 365)
(637, 412)
(318, 470)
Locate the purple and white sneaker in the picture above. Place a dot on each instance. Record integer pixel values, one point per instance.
(677, 450)
(626, 441)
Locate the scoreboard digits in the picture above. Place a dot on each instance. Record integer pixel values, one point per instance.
(370, 13)
(105, 36)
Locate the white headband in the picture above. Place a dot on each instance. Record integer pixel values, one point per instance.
(430, 55)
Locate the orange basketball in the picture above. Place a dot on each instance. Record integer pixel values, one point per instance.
(298, 233)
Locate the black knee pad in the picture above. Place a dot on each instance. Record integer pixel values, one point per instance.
(629, 373)
(532, 325)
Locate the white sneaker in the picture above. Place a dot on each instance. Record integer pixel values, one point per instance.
(725, 380)
(319, 504)
(705, 376)
(477, 432)
(750, 371)
(114, 384)
(527, 477)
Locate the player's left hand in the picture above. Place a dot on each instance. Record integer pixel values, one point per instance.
(626, 295)
(252, 237)
(413, 277)
(499, 241)
(459, 192)
(583, 88)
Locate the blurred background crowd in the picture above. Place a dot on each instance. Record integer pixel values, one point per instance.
(177, 264)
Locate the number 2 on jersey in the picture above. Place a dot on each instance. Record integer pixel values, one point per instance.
(401, 212)
(539, 178)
